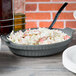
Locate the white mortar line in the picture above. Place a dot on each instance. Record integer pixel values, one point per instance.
(31, 2)
(66, 20)
(24, 7)
(37, 7)
(64, 24)
(31, 20)
(38, 24)
(64, 1)
(51, 15)
(69, 10)
(37, 20)
(36, 11)
(48, 11)
(49, 2)
(13, 13)
(47, 20)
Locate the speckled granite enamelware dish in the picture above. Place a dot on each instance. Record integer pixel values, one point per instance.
(39, 50)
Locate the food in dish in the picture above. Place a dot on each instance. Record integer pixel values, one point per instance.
(40, 36)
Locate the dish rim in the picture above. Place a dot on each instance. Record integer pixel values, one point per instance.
(8, 41)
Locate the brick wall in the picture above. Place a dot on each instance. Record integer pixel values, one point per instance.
(40, 13)
(19, 6)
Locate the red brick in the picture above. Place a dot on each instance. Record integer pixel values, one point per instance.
(64, 15)
(31, 7)
(37, 0)
(44, 24)
(64, 0)
(37, 16)
(31, 25)
(56, 25)
(71, 6)
(71, 24)
(19, 6)
(47, 7)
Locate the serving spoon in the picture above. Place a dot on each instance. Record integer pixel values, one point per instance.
(52, 24)
(57, 15)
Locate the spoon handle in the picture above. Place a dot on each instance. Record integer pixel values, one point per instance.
(58, 13)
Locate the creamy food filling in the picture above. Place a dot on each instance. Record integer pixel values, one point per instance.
(40, 36)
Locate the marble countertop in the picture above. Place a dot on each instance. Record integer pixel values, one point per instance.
(12, 65)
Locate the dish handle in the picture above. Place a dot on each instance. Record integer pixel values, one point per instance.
(4, 38)
(68, 30)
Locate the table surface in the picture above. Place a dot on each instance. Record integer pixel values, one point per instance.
(12, 65)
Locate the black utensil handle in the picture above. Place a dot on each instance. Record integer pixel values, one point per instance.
(58, 13)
